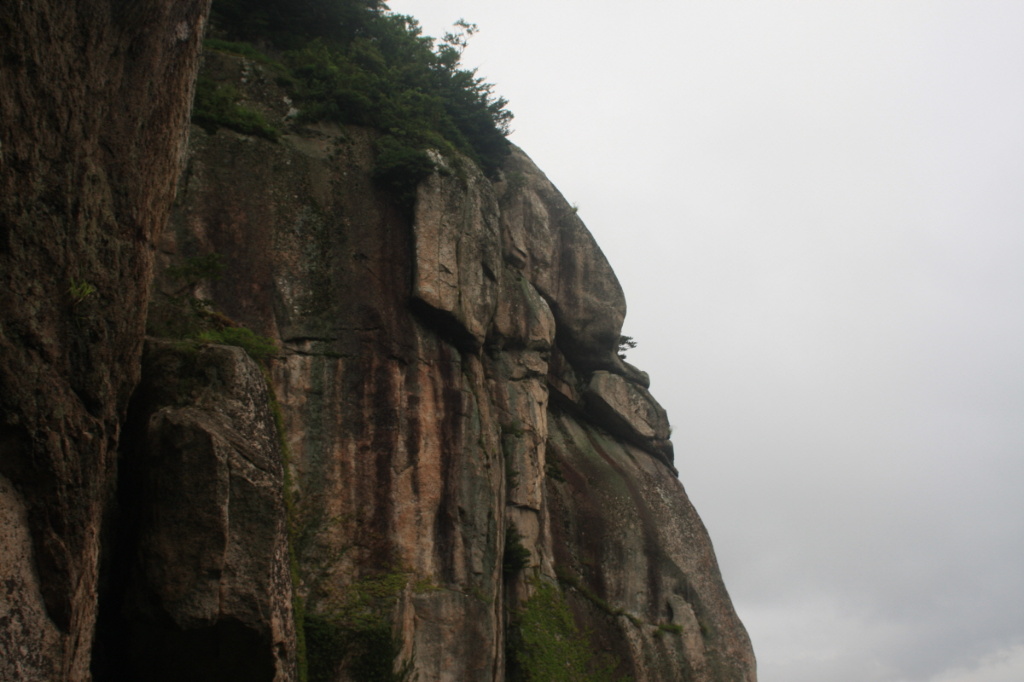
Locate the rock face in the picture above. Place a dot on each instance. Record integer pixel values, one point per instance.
(203, 590)
(444, 472)
(461, 430)
(94, 103)
(624, 535)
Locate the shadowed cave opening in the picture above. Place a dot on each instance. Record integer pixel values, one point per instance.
(227, 650)
(136, 639)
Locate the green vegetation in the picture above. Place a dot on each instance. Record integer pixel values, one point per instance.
(516, 557)
(544, 644)
(511, 475)
(242, 49)
(626, 343)
(217, 106)
(401, 167)
(196, 270)
(553, 469)
(355, 61)
(258, 347)
(512, 428)
(358, 635)
(184, 315)
(80, 290)
(570, 580)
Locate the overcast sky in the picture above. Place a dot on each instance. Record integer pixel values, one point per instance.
(816, 210)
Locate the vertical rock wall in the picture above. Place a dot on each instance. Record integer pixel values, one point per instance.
(204, 590)
(451, 396)
(94, 103)
(457, 444)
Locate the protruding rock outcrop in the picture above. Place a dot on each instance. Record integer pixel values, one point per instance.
(545, 238)
(629, 411)
(457, 243)
(204, 587)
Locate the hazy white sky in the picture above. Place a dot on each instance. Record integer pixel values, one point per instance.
(816, 210)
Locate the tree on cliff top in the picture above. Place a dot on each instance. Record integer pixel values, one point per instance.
(355, 61)
(295, 21)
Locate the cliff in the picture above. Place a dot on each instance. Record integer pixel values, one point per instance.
(94, 104)
(439, 470)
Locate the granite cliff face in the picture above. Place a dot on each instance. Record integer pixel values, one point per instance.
(443, 472)
(94, 106)
(451, 396)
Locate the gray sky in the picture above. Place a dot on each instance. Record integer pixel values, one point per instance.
(816, 210)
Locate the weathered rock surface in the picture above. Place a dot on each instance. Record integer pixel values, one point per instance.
(94, 104)
(637, 557)
(545, 238)
(457, 250)
(629, 411)
(447, 376)
(459, 434)
(206, 591)
(29, 637)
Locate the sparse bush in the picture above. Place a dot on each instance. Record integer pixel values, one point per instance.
(241, 48)
(553, 470)
(544, 644)
(358, 635)
(401, 167)
(80, 290)
(516, 557)
(511, 475)
(217, 106)
(570, 579)
(258, 347)
(182, 314)
(626, 343)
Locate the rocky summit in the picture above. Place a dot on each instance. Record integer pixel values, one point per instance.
(367, 436)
